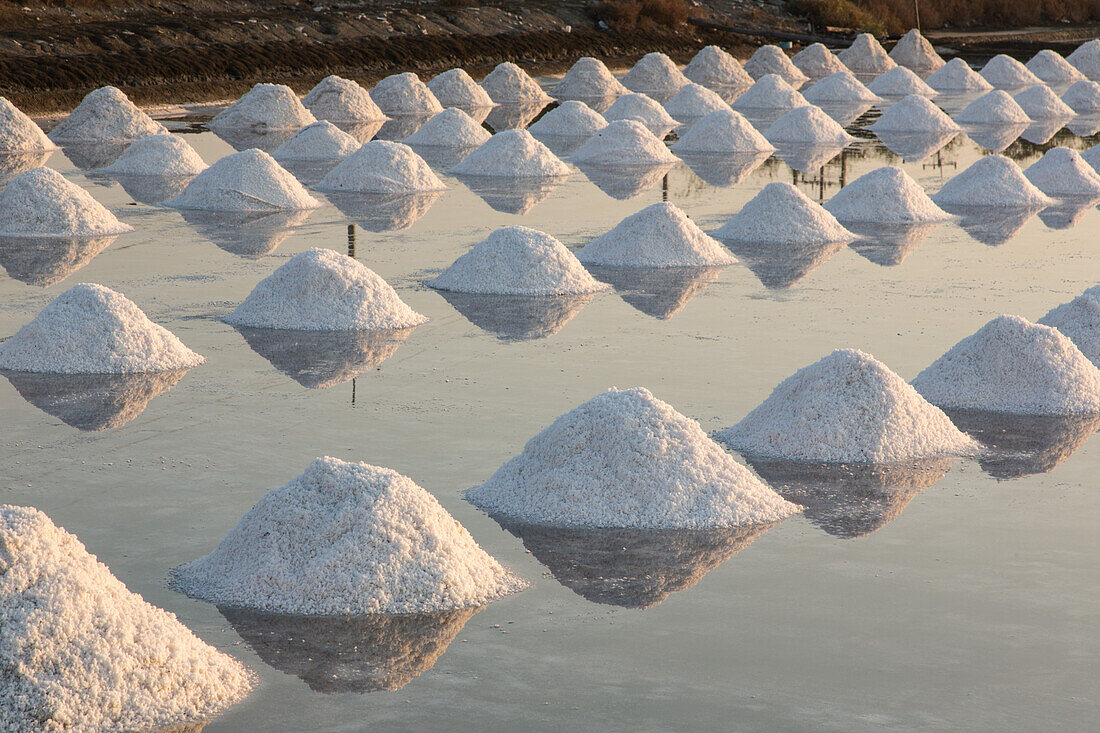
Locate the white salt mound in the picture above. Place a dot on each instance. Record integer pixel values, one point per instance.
(847, 408)
(992, 181)
(770, 59)
(808, 126)
(714, 68)
(250, 180)
(158, 155)
(321, 290)
(1015, 366)
(90, 329)
(1049, 66)
(914, 51)
(342, 100)
(866, 56)
(660, 235)
(588, 78)
(643, 109)
(655, 73)
(569, 119)
(770, 92)
(405, 95)
(957, 76)
(781, 213)
(1063, 172)
(627, 459)
(264, 107)
(105, 115)
(456, 88)
(900, 82)
(512, 154)
(1083, 97)
(84, 653)
(451, 128)
(43, 203)
(381, 166)
(887, 195)
(624, 142)
(1092, 157)
(914, 114)
(347, 539)
(509, 84)
(319, 141)
(1005, 72)
(1086, 59)
(518, 261)
(817, 62)
(1079, 320)
(694, 101)
(19, 133)
(993, 108)
(1039, 103)
(841, 86)
(724, 131)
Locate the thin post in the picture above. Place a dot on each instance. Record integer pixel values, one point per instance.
(664, 188)
(916, 14)
(351, 240)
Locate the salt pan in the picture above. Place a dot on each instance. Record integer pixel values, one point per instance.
(1049, 66)
(809, 126)
(43, 203)
(512, 154)
(265, 107)
(456, 88)
(914, 51)
(781, 213)
(1063, 172)
(509, 84)
(957, 76)
(770, 59)
(569, 119)
(715, 69)
(817, 62)
(770, 92)
(105, 115)
(1086, 58)
(914, 114)
(247, 181)
(993, 108)
(866, 56)
(343, 101)
(991, 181)
(724, 131)
(654, 74)
(1005, 72)
(694, 101)
(839, 87)
(643, 109)
(1079, 320)
(382, 167)
(886, 195)
(624, 142)
(405, 95)
(1039, 103)
(319, 141)
(19, 133)
(1083, 97)
(660, 235)
(588, 78)
(900, 82)
(158, 155)
(451, 128)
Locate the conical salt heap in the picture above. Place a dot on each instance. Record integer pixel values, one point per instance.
(1083, 97)
(991, 181)
(266, 107)
(105, 115)
(1063, 172)
(509, 84)
(769, 92)
(781, 213)
(1092, 157)
(1015, 366)
(643, 109)
(1086, 59)
(866, 56)
(250, 180)
(319, 141)
(19, 133)
(43, 203)
(588, 78)
(624, 142)
(83, 652)
(770, 59)
(1079, 321)
(321, 290)
(900, 82)
(569, 119)
(343, 101)
(1050, 67)
(451, 128)
(405, 95)
(957, 76)
(626, 459)
(807, 126)
(158, 155)
(382, 167)
(914, 114)
(887, 195)
(1039, 103)
(512, 154)
(347, 539)
(715, 69)
(993, 108)
(518, 261)
(694, 101)
(914, 52)
(817, 62)
(724, 131)
(90, 329)
(1005, 72)
(660, 235)
(456, 88)
(846, 408)
(655, 73)
(839, 87)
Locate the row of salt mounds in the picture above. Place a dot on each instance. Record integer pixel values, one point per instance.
(900, 82)
(957, 76)
(660, 235)
(518, 261)
(782, 213)
(1063, 172)
(1079, 320)
(250, 180)
(509, 84)
(321, 290)
(1040, 103)
(105, 115)
(158, 155)
(19, 133)
(887, 195)
(841, 86)
(1015, 366)
(264, 107)
(588, 78)
(404, 95)
(991, 181)
(724, 131)
(715, 69)
(512, 154)
(694, 101)
(1083, 97)
(866, 56)
(381, 166)
(914, 114)
(451, 128)
(624, 142)
(626, 459)
(993, 108)
(347, 539)
(808, 126)
(343, 101)
(1086, 58)
(817, 62)
(456, 88)
(769, 92)
(846, 408)
(90, 329)
(1005, 72)
(914, 52)
(770, 59)
(319, 141)
(1050, 67)
(43, 203)
(654, 74)
(643, 109)
(82, 652)
(569, 119)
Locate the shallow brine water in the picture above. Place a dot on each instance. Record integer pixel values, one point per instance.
(970, 603)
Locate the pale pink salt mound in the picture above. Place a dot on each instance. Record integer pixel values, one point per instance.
(992, 181)
(807, 126)
(319, 141)
(716, 69)
(624, 142)
(817, 62)
(588, 78)
(842, 87)
(723, 131)
(509, 84)
(264, 107)
(105, 115)
(43, 203)
(770, 92)
(1086, 59)
(569, 119)
(866, 56)
(770, 59)
(957, 76)
(512, 154)
(1049, 66)
(914, 114)
(404, 95)
(381, 166)
(887, 195)
(1079, 320)
(1005, 72)
(694, 101)
(781, 213)
(900, 82)
(993, 108)
(158, 155)
(914, 52)
(456, 88)
(19, 133)
(250, 180)
(451, 128)
(655, 73)
(1040, 103)
(660, 235)
(1083, 97)
(342, 100)
(1063, 172)
(643, 109)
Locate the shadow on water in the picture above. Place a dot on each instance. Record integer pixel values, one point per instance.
(779, 265)
(913, 147)
(724, 170)
(657, 292)
(994, 138)
(625, 181)
(517, 317)
(1041, 131)
(991, 225)
(382, 212)
(248, 234)
(1022, 445)
(1067, 211)
(513, 116)
(511, 195)
(807, 158)
(153, 189)
(92, 156)
(12, 164)
(45, 261)
(245, 138)
(887, 244)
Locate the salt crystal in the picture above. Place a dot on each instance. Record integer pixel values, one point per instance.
(342, 100)
(782, 214)
(1079, 320)
(914, 114)
(1040, 103)
(19, 133)
(382, 167)
(451, 128)
(319, 141)
(569, 119)
(456, 88)
(1086, 58)
(807, 126)
(770, 92)
(694, 101)
(994, 108)
(1005, 72)
(885, 195)
(105, 115)
(643, 109)
(655, 74)
(512, 154)
(991, 181)
(900, 82)
(405, 95)
(1049, 66)
(817, 62)
(158, 155)
(770, 59)
(509, 84)
(660, 235)
(914, 51)
(250, 180)
(1063, 172)
(1083, 97)
(715, 69)
(839, 87)
(264, 107)
(866, 56)
(724, 131)
(624, 142)
(588, 78)
(43, 203)
(957, 76)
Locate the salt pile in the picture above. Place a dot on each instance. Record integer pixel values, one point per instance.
(771, 60)
(43, 203)
(817, 62)
(1092, 157)
(957, 76)
(846, 408)
(659, 235)
(250, 180)
(319, 141)
(19, 133)
(1063, 172)
(993, 108)
(342, 100)
(887, 195)
(643, 109)
(694, 101)
(839, 87)
(624, 142)
(808, 126)
(451, 128)
(456, 88)
(914, 114)
(914, 52)
(991, 181)
(770, 92)
(1079, 320)
(509, 84)
(405, 95)
(1086, 59)
(518, 261)
(264, 107)
(382, 167)
(1049, 66)
(569, 119)
(626, 459)
(1015, 366)
(347, 539)
(512, 154)
(105, 115)
(1005, 72)
(724, 131)
(866, 56)
(781, 213)
(158, 155)
(90, 329)
(900, 82)
(588, 78)
(83, 652)
(654, 74)
(1083, 97)
(715, 69)
(1039, 103)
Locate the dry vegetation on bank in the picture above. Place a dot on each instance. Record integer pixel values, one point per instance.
(896, 16)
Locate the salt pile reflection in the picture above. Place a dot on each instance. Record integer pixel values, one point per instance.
(888, 244)
(511, 195)
(1021, 445)
(726, 170)
(12, 164)
(246, 234)
(382, 212)
(45, 261)
(781, 265)
(517, 317)
(658, 292)
(626, 181)
(991, 225)
(244, 138)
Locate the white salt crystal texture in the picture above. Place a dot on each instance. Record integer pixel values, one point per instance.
(626, 459)
(343, 101)
(655, 73)
(1083, 97)
(1079, 321)
(914, 114)
(512, 154)
(456, 88)
(1005, 72)
(43, 203)
(381, 166)
(724, 131)
(1063, 172)
(1050, 67)
(84, 653)
(847, 408)
(841, 86)
(518, 261)
(105, 115)
(158, 155)
(694, 101)
(817, 62)
(914, 52)
(643, 109)
(866, 56)
(404, 95)
(807, 126)
(347, 539)
(769, 92)
(588, 78)
(714, 68)
(1015, 366)
(19, 133)
(319, 141)
(250, 180)
(264, 107)
(1086, 59)
(887, 195)
(569, 119)
(509, 84)
(781, 213)
(993, 108)
(660, 235)
(451, 128)
(900, 82)
(1040, 103)
(90, 329)
(992, 181)
(770, 59)
(624, 142)
(957, 76)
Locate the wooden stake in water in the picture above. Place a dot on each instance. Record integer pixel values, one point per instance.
(351, 240)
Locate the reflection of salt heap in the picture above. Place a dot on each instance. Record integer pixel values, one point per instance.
(957, 76)
(343, 101)
(19, 133)
(807, 126)
(588, 78)
(405, 95)
(1012, 365)
(724, 131)
(319, 141)
(509, 84)
(694, 101)
(93, 402)
(1063, 172)
(1083, 97)
(659, 235)
(456, 88)
(846, 408)
(626, 459)
(347, 539)
(247, 181)
(320, 290)
(1086, 59)
(900, 82)
(624, 142)
(83, 652)
(643, 109)
(914, 114)
(1079, 320)
(158, 155)
(770, 59)
(90, 329)
(817, 62)
(1039, 103)
(781, 213)
(993, 108)
(1050, 67)
(866, 56)
(264, 107)
(655, 74)
(715, 69)
(43, 203)
(914, 51)
(382, 167)
(886, 195)
(45, 261)
(770, 92)
(1005, 72)
(512, 154)
(518, 261)
(991, 181)
(105, 115)
(841, 86)
(569, 119)
(451, 128)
